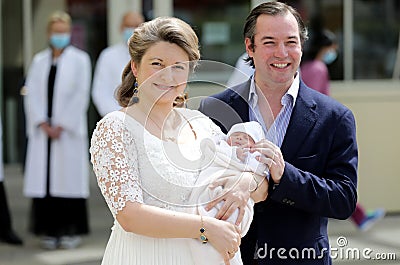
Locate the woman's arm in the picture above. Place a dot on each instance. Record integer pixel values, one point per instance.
(259, 188)
(156, 222)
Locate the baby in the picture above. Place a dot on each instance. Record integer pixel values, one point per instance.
(230, 157)
(240, 136)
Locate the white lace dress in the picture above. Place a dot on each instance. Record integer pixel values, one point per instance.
(133, 165)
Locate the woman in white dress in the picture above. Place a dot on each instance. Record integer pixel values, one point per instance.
(139, 155)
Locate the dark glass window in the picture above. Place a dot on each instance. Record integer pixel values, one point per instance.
(375, 32)
(219, 25)
(376, 35)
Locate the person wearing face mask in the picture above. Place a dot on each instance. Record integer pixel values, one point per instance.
(110, 64)
(56, 168)
(320, 51)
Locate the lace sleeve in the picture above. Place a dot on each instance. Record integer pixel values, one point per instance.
(115, 164)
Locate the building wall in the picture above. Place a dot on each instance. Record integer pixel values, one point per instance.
(376, 107)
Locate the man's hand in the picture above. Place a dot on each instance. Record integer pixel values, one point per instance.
(272, 157)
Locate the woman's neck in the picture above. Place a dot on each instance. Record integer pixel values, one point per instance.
(157, 112)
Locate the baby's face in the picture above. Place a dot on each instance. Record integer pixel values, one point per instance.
(240, 139)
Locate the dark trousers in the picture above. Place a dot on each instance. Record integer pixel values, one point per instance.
(5, 218)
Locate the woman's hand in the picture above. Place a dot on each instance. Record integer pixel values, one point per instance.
(52, 132)
(236, 194)
(224, 236)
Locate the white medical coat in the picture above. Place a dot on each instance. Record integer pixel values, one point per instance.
(1, 153)
(107, 77)
(69, 165)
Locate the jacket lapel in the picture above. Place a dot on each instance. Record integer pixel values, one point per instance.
(302, 121)
(239, 100)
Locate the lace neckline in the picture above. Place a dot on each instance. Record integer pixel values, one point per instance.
(125, 114)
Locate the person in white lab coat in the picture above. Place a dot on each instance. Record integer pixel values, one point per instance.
(110, 64)
(57, 166)
(7, 234)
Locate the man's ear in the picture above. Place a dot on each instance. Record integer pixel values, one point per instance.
(249, 47)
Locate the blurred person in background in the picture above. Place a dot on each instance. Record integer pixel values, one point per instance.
(56, 169)
(110, 64)
(7, 234)
(320, 51)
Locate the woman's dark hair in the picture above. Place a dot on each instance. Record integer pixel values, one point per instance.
(319, 38)
(317, 41)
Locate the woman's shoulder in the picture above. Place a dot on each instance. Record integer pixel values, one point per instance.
(313, 67)
(114, 115)
(116, 125)
(42, 55)
(115, 119)
(74, 53)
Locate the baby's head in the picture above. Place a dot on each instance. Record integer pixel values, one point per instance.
(246, 133)
(240, 139)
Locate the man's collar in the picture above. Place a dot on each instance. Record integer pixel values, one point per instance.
(292, 91)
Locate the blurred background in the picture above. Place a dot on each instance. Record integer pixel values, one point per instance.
(365, 76)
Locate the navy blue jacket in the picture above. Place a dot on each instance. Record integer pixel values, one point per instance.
(319, 181)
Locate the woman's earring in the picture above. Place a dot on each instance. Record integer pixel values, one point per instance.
(135, 98)
(180, 100)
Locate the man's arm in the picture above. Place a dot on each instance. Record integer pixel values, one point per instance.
(333, 192)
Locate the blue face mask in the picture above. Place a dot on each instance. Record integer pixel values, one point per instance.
(329, 56)
(60, 41)
(127, 33)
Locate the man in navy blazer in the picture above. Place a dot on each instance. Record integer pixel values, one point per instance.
(313, 171)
